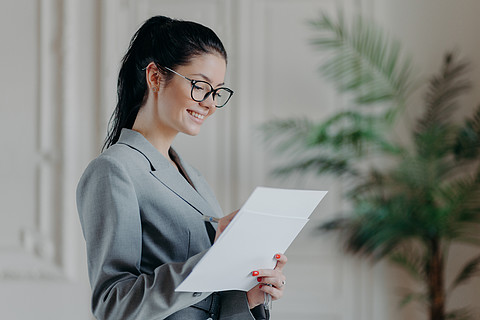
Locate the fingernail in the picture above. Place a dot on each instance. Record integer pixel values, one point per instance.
(260, 286)
(255, 273)
(277, 256)
(259, 279)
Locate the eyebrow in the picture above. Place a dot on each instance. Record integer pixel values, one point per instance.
(208, 79)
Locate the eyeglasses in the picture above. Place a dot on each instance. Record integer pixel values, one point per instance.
(201, 90)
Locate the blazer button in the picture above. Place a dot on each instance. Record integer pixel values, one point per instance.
(197, 294)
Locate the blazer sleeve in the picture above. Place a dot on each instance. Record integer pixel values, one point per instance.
(234, 306)
(110, 219)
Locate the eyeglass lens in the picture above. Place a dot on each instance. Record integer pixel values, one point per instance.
(201, 90)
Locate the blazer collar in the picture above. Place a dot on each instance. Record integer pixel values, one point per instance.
(167, 174)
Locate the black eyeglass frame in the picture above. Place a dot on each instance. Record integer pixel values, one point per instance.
(212, 90)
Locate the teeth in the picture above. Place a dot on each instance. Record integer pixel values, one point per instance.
(196, 115)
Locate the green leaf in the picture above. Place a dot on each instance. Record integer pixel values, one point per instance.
(470, 269)
(467, 144)
(412, 297)
(411, 263)
(364, 62)
(319, 165)
(444, 89)
(285, 135)
(351, 130)
(460, 314)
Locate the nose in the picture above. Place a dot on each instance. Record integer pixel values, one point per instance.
(209, 102)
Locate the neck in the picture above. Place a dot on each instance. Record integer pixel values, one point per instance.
(161, 143)
(159, 138)
(149, 125)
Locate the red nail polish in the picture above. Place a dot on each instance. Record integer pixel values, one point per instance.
(255, 273)
(259, 279)
(260, 286)
(277, 256)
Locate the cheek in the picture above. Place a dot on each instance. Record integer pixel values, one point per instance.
(212, 111)
(178, 99)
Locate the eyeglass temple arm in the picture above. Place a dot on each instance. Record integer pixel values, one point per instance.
(178, 74)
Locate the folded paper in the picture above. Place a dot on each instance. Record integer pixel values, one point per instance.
(266, 224)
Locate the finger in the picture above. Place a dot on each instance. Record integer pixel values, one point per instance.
(271, 277)
(274, 292)
(277, 282)
(255, 296)
(281, 261)
(223, 223)
(231, 215)
(275, 273)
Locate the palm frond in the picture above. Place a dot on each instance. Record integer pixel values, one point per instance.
(413, 296)
(459, 201)
(413, 263)
(416, 176)
(444, 89)
(379, 226)
(318, 164)
(470, 269)
(365, 63)
(435, 141)
(285, 134)
(370, 183)
(460, 314)
(335, 224)
(467, 144)
(352, 130)
(345, 135)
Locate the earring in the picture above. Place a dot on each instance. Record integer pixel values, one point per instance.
(154, 89)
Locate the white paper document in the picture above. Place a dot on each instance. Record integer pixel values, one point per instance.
(266, 224)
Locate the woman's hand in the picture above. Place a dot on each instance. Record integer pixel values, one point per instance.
(267, 277)
(223, 223)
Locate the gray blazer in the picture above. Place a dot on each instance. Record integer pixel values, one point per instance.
(143, 230)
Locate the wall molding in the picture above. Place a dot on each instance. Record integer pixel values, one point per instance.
(47, 246)
(40, 253)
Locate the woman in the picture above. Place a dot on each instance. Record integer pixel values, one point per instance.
(141, 205)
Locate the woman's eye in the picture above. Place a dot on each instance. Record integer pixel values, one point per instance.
(198, 88)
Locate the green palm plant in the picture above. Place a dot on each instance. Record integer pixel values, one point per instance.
(410, 201)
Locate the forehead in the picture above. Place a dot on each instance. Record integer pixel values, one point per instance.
(210, 67)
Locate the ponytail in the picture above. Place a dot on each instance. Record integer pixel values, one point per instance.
(167, 42)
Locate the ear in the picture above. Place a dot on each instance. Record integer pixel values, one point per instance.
(153, 77)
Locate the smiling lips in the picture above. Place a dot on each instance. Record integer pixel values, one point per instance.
(196, 115)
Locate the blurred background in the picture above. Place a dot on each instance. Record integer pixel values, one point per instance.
(59, 65)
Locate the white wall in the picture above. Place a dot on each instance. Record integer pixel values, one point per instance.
(59, 64)
(42, 263)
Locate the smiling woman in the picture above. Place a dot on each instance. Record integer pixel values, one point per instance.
(141, 205)
(171, 106)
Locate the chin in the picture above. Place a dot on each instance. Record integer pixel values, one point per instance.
(192, 133)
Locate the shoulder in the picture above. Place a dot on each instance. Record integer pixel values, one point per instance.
(124, 154)
(119, 161)
(118, 156)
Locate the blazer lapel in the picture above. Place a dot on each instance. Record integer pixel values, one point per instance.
(173, 180)
(201, 186)
(165, 172)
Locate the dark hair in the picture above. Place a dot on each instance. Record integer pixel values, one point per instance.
(166, 42)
